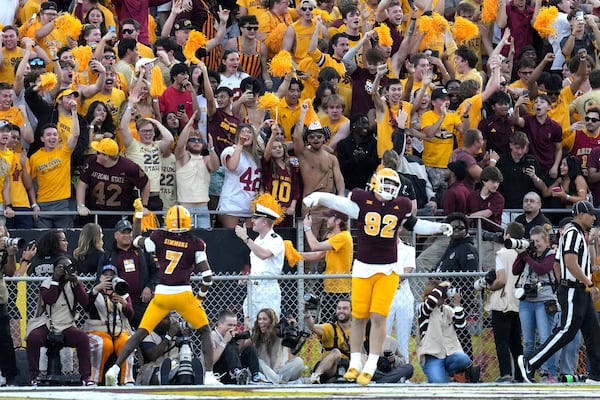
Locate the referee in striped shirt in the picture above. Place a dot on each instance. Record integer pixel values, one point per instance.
(576, 295)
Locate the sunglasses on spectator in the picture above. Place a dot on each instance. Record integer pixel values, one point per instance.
(251, 28)
(109, 57)
(195, 140)
(128, 31)
(36, 63)
(590, 119)
(459, 228)
(306, 8)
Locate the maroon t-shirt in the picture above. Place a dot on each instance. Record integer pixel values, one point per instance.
(542, 138)
(464, 155)
(455, 198)
(176, 255)
(494, 202)
(222, 127)
(362, 87)
(111, 189)
(377, 225)
(283, 184)
(593, 161)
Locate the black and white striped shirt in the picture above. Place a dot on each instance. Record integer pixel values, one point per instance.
(573, 241)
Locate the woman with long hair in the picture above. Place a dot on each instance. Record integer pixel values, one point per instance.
(89, 249)
(90, 35)
(242, 177)
(570, 186)
(278, 176)
(276, 362)
(96, 16)
(231, 75)
(100, 121)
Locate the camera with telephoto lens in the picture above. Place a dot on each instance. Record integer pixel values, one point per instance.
(311, 301)
(528, 290)
(485, 280)
(517, 244)
(120, 286)
(383, 363)
(10, 242)
(241, 335)
(492, 236)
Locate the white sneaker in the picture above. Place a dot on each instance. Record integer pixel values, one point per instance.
(211, 380)
(112, 376)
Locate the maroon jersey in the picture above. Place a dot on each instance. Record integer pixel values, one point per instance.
(282, 183)
(583, 146)
(111, 189)
(377, 225)
(176, 254)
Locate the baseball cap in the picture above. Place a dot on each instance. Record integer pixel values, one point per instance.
(106, 146)
(109, 267)
(439, 93)
(49, 5)
(66, 92)
(4, 125)
(123, 225)
(336, 214)
(459, 167)
(583, 207)
(183, 24)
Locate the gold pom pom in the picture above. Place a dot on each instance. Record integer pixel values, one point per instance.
(149, 221)
(291, 254)
(464, 30)
(69, 25)
(489, 11)
(268, 201)
(268, 101)
(157, 85)
(544, 23)
(384, 35)
(274, 39)
(48, 81)
(83, 56)
(281, 64)
(432, 28)
(325, 16)
(195, 41)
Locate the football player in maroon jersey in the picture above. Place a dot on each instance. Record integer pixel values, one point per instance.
(380, 213)
(179, 254)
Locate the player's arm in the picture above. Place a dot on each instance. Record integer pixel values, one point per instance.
(203, 268)
(330, 200)
(424, 227)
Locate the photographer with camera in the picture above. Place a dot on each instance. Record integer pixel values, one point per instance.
(8, 252)
(54, 322)
(276, 361)
(504, 306)
(438, 348)
(535, 290)
(391, 366)
(234, 356)
(109, 309)
(334, 337)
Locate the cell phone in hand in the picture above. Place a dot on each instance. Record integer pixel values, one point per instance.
(112, 28)
(249, 87)
(435, 53)
(180, 108)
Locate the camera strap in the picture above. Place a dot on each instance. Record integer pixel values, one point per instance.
(112, 307)
(344, 350)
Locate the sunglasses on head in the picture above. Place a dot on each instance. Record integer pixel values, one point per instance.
(251, 28)
(590, 119)
(127, 31)
(36, 63)
(306, 8)
(195, 140)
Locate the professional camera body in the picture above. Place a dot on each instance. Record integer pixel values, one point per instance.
(517, 244)
(485, 280)
(528, 290)
(311, 301)
(451, 292)
(70, 269)
(291, 336)
(241, 335)
(383, 363)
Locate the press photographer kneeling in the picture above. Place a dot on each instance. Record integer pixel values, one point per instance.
(535, 289)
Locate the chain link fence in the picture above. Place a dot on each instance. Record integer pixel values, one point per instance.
(229, 291)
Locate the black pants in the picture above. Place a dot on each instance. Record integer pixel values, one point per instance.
(8, 362)
(507, 336)
(232, 359)
(578, 312)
